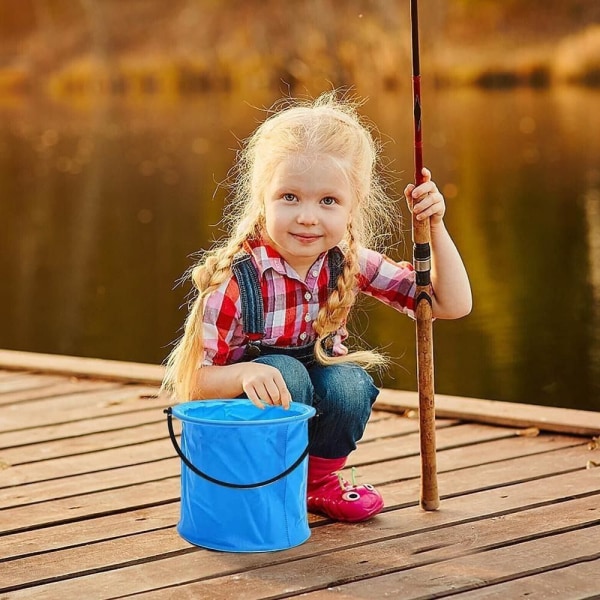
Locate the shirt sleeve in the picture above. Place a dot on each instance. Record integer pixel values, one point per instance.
(393, 283)
(222, 333)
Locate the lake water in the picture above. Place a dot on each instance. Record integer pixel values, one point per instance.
(103, 203)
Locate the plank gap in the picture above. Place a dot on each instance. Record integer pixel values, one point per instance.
(96, 491)
(513, 577)
(71, 421)
(90, 515)
(95, 571)
(93, 450)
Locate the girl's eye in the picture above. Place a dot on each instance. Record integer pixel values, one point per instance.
(289, 197)
(328, 201)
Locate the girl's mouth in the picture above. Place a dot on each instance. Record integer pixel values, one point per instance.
(305, 238)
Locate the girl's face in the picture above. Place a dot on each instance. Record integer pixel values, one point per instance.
(308, 205)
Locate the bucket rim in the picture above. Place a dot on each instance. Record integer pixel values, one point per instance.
(301, 412)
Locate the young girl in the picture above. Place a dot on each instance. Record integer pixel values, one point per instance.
(269, 319)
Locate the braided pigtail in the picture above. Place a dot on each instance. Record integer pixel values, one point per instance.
(186, 358)
(333, 314)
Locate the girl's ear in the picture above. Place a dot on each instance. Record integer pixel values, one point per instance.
(260, 225)
(353, 217)
(261, 219)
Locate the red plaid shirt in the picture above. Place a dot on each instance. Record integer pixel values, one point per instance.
(291, 305)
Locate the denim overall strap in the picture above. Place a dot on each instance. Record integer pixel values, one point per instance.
(335, 260)
(253, 312)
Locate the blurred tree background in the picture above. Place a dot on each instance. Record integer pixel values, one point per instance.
(182, 46)
(119, 121)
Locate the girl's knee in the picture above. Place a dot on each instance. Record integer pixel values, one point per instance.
(344, 397)
(346, 385)
(350, 378)
(294, 374)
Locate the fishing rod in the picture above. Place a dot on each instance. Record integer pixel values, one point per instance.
(423, 308)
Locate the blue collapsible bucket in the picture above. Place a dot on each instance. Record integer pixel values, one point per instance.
(243, 474)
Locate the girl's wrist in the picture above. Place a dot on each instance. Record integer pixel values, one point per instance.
(437, 225)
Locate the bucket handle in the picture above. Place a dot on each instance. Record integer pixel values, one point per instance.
(184, 458)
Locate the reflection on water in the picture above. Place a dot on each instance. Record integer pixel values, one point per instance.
(102, 207)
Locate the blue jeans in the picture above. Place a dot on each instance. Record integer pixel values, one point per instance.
(343, 396)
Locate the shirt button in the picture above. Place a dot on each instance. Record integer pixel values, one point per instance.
(308, 295)
(314, 273)
(303, 336)
(307, 318)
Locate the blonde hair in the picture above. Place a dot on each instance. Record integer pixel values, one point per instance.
(328, 125)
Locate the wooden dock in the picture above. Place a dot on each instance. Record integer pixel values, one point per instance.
(90, 499)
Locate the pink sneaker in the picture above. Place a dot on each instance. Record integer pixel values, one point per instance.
(330, 494)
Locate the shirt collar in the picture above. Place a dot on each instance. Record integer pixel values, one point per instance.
(266, 257)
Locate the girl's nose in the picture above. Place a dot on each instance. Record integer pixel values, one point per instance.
(307, 215)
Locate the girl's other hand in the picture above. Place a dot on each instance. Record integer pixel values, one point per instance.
(264, 384)
(425, 201)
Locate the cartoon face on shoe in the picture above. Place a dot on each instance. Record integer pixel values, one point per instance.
(359, 502)
(357, 492)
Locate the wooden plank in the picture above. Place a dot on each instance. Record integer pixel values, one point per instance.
(141, 427)
(54, 489)
(76, 407)
(159, 447)
(79, 464)
(46, 436)
(89, 531)
(383, 427)
(86, 483)
(82, 367)
(74, 508)
(487, 503)
(460, 473)
(151, 461)
(84, 469)
(35, 570)
(84, 444)
(467, 572)
(91, 508)
(45, 442)
(578, 508)
(512, 414)
(6, 374)
(26, 382)
(572, 582)
(507, 470)
(473, 479)
(62, 387)
(394, 542)
(449, 437)
(105, 501)
(491, 454)
(477, 480)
